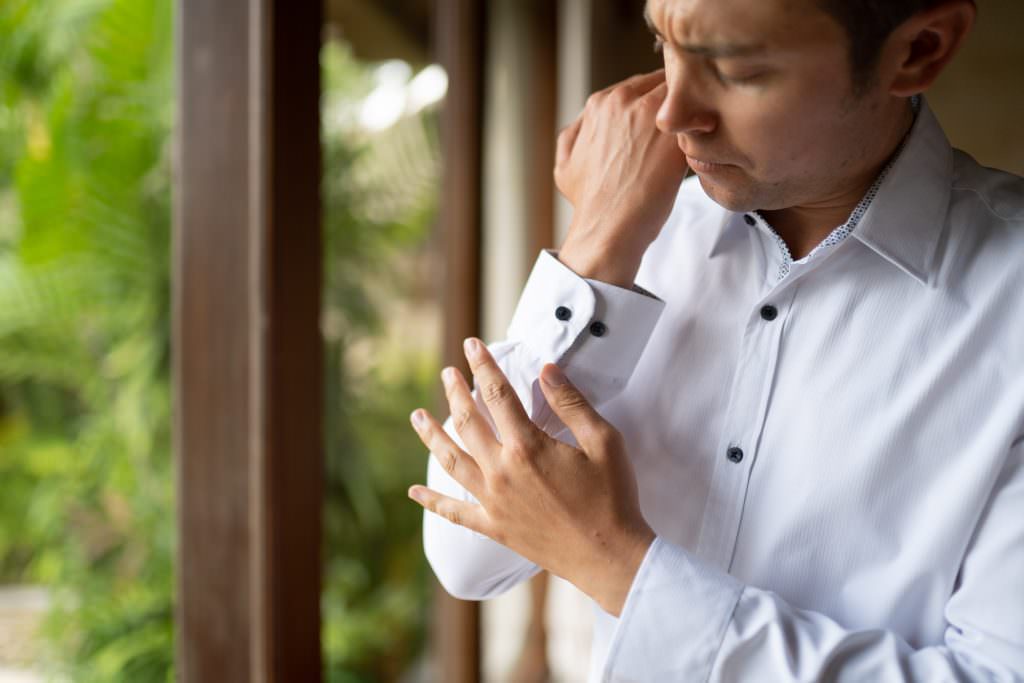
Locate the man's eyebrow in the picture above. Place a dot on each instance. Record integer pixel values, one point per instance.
(722, 51)
(713, 51)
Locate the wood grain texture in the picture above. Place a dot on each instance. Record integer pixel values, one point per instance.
(458, 46)
(247, 351)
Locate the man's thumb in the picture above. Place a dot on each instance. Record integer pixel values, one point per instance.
(569, 404)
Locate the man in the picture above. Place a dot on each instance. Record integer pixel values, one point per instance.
(787, 394)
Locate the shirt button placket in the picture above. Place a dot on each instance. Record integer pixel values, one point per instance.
(745, 416)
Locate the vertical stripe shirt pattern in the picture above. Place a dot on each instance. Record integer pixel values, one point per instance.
(832, 461)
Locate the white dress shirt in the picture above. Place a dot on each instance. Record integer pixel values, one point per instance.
(830, 450)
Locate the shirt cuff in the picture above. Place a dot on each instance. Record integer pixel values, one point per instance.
(596, 331)
(674, 619)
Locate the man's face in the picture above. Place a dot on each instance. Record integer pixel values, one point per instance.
(760, 98)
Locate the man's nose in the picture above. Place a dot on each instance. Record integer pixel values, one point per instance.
(683, 112)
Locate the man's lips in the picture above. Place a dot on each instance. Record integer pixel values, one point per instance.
(705, 166)
(704, 163)
(700, 161)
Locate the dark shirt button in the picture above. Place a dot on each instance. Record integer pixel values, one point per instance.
(769, 312)
(598, 328)
(734, 454)
(749, 219)
(563, 313)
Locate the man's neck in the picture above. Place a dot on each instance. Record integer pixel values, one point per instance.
(804, 227)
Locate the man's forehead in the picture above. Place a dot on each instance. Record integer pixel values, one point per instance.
(733, 27)
(774, 6)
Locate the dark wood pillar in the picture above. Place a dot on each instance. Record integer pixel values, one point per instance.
(542, 115)
(459, 40)
(247, 350)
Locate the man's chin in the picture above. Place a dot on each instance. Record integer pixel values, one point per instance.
(730, 198)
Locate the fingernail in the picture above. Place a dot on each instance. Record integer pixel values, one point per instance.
(473, 347)
(419, 419)
(553, 375)
(448, 376)
(416, 493)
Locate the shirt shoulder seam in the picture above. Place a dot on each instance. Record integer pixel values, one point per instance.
(1016, 217)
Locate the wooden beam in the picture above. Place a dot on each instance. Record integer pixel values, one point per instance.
(542, 116)
(247, 351)
(458, 40)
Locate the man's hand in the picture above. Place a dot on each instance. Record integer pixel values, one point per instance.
(621, 174)
(574, 512)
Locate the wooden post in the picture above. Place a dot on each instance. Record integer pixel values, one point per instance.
(458, 40)
(247, 350)
(542, 115)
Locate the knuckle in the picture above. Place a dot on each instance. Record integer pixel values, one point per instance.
(598, 435)
(500, 482)
(461, 418)
(607, 436)
(450, 462)
(649, 104)
(571, 400)
(593, 101)
(532, 441)
(519, 454)
(563, 181)
(453, 516)
(622, 95)
(589, 435)
(496, 392)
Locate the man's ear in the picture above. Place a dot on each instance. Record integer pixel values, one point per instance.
(921, 47)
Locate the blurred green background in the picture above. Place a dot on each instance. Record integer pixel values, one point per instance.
(87, 506)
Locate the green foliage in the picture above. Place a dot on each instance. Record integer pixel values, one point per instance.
(84, 441)
(86, 112)
(374, 601)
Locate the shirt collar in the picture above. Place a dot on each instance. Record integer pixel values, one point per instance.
(904, 220)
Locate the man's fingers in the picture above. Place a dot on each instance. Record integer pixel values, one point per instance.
(499, 396)
(463, 513)
(657, 93)
(567, 140)
(469, 423)
(638, 83)
(644, 83)
(455, 461)
(590, 429)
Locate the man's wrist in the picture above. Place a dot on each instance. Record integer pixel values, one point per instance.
(619, 572)
(611, 267)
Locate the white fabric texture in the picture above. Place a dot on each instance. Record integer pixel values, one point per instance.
(873, 527)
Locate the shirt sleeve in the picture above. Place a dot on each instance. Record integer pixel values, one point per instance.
(684, 620)
(594, 331)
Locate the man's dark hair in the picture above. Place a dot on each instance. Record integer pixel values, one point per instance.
(868, 23)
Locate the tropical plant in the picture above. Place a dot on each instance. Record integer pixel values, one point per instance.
(375, 593)
(83, 328)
